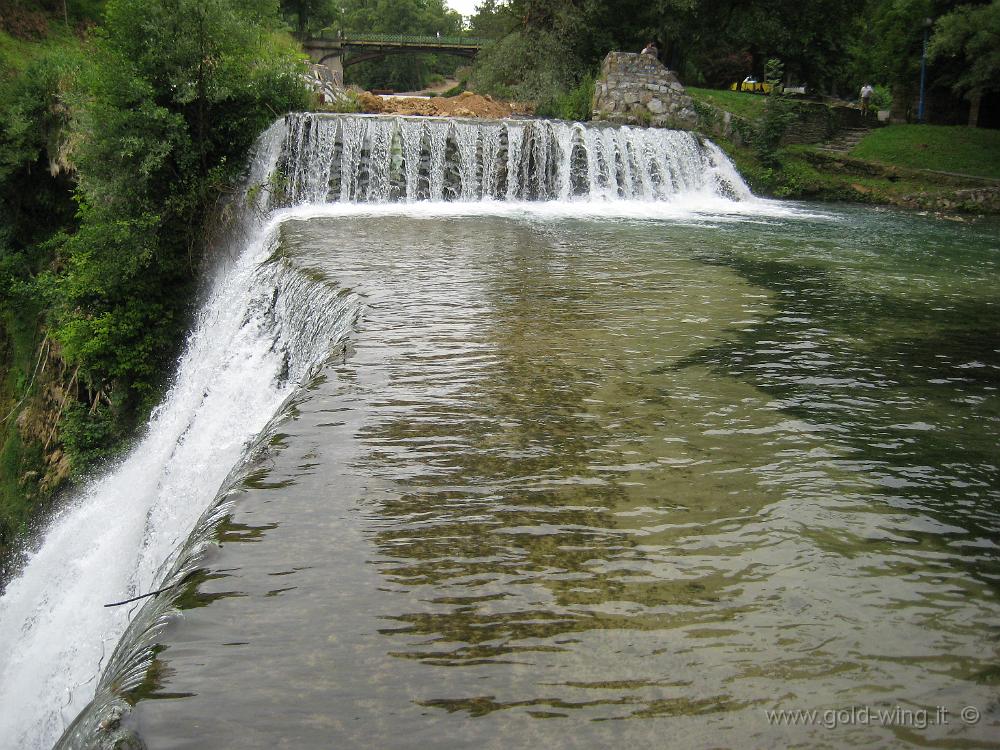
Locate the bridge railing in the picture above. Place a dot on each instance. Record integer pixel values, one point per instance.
(404, 39)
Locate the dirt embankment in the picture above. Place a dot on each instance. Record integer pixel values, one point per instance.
(465, 104)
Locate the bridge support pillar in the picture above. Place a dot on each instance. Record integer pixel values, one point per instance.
(336, 66)
(328, 53)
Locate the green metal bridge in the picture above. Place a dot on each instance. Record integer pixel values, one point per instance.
(338, 51)
(369, 40)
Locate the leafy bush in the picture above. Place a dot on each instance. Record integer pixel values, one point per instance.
(575, 104)
(779, 114)
(881, 98)
(88, 436)
(164, 112)
(527, 65)
(32, 120)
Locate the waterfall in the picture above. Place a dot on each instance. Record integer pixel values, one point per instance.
(264, 326)
(378, 159)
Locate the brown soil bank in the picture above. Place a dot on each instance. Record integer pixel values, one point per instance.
(465, 104)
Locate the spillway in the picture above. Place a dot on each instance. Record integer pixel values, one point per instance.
(264, 328)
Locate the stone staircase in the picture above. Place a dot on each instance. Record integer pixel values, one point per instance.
(845, 140)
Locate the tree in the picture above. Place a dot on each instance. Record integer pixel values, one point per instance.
(527, 64)
(492, 20)
(174, 96)
(703, 41)
(311, 16)
(537, 60)
(970, 34)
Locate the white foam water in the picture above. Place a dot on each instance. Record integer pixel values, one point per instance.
(118, 538)
(378, 159)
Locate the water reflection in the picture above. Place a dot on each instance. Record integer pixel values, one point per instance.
(617, 472)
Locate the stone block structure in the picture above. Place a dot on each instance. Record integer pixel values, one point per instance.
(636, 89)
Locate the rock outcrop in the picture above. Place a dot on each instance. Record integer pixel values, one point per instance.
(636, 89)
(322, 82)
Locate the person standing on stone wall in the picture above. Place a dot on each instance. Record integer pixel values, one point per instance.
(866, 96)
(650, 49)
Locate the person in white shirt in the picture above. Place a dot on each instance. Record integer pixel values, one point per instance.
(866, 95)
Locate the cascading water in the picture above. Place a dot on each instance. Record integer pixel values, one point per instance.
(369, 159)
(264, 326)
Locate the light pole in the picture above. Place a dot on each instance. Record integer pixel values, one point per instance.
(928, 22)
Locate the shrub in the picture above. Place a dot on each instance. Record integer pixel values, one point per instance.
(174, 95)
(527, 65)
(575, 104)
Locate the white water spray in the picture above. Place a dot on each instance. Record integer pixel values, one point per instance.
(369, 159)
(119, 537)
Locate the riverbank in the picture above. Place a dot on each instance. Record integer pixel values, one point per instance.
(808, 173)
(954, 170)
(109, 174)
(951, 170)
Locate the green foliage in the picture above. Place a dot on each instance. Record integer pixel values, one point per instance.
(575, 104)
(881, 98)
(347, 103)
(491, 20)
(527, 65)
(176, 93)
(750, 106)
(705, 42)
(33, 119)
(89, 436)
(155, 117)
(888, 41)
(970, 34)
(17, 461)
(20, 460)
(774, 73)
(895, 38)
(71, 11)
(973, 151)
(709, 118)
(311, 16)
(779, 114)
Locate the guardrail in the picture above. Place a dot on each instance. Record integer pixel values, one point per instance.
(404, 39)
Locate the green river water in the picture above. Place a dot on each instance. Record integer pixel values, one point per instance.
(582, 483)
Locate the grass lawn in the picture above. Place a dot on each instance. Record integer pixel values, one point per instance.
(750, 106)
(974, 151)
(17, 54)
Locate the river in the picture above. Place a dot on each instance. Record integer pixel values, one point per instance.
(577, 473)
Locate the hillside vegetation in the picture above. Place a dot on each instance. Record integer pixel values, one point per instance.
(117, 142)
(545, 49)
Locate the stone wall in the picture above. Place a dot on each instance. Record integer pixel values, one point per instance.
(324, 84)
(816, 122)
(636, 89)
